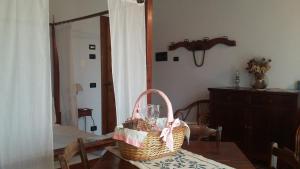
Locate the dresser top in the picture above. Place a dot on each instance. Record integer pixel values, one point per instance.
(268, 90)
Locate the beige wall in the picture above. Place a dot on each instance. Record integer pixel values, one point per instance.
(268, 28)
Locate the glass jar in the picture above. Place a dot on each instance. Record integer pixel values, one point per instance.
(151, 114)
(259, 82)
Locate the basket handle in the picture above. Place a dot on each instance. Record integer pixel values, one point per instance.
(163, 95)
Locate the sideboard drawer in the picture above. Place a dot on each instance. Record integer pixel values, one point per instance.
(276, 100)
(284, 100)
(231, 98)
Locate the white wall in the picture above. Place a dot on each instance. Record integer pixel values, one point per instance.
(87, 70)
(267, 28)
(83, 33)
(69, 9)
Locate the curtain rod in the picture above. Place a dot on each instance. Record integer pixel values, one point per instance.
(81, 18)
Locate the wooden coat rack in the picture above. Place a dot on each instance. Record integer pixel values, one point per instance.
(201, 45)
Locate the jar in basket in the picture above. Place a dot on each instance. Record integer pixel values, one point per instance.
(151, 114)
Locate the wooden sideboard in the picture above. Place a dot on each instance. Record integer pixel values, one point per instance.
(255, 118)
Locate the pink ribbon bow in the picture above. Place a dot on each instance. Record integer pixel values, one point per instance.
(167, 135)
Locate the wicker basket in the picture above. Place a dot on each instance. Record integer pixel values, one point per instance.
(153, 147)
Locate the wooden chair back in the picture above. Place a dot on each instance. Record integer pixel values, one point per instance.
(284, 155)
(199, 125)
(77, 147)
(202, 111)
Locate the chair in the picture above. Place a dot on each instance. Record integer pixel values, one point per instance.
(77, 147)
(199, 129)
(283, 155)
(297, 144)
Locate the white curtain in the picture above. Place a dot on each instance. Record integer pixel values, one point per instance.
(68, 101)
(25, 88)
(128, 44)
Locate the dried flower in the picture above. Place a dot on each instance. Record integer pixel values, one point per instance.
(258, 67)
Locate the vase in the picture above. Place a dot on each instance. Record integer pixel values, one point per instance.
(260, 82)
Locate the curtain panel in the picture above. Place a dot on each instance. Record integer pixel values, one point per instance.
(128, 45)
(25, 89)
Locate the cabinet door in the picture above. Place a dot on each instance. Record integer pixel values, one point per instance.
(258, 129)
(282, 129)
(231, 118)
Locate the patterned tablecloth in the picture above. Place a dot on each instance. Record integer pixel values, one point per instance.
(182, 159)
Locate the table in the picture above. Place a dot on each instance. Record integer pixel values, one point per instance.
(228, 153)
(83, 112)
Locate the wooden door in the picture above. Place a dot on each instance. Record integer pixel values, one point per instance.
(109, 119)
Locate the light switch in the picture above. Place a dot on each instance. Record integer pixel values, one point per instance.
(92, 56)
(161, 56)
(176, 59)
(93, 85)
(92, 47)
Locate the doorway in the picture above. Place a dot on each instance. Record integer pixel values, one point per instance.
(108, 114)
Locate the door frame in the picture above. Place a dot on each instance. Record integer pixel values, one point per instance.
(108, 115)
(149, 43)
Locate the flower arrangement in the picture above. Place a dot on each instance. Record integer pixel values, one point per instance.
(258, 67)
